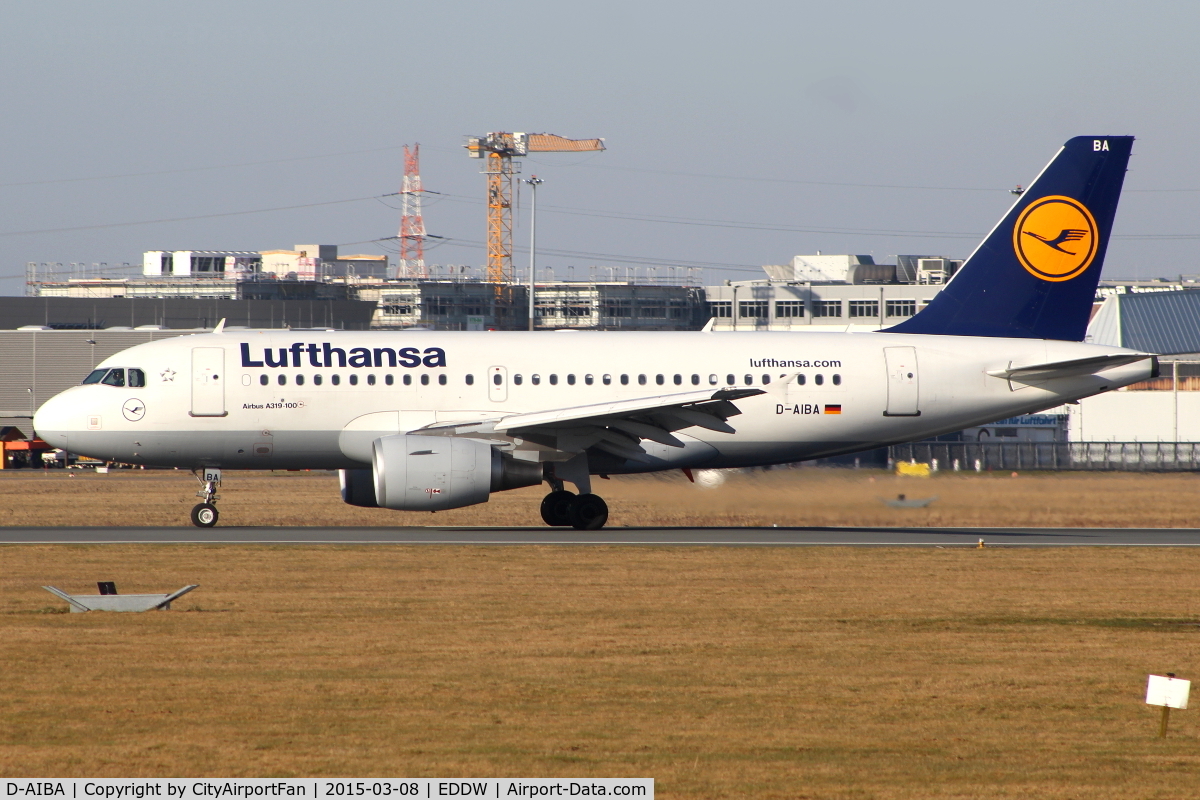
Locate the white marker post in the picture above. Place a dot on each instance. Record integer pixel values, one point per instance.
(1169, 692)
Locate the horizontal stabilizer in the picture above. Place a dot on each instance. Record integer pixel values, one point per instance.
(1069, 369)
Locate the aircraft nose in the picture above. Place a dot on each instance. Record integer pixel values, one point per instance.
(55, 419)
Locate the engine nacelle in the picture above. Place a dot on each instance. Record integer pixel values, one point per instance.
(433, 473)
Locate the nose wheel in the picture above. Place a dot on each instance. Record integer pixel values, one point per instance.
(583, 512)
(205, 514)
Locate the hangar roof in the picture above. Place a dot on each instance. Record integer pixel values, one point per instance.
(1153, 322)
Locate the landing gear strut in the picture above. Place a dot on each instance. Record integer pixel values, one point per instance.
(204, 515)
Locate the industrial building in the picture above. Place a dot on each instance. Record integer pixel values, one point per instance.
(830, 292)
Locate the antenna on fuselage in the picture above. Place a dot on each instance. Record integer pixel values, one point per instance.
(220, 326)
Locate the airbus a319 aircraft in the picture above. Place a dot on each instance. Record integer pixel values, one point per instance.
(431, 420)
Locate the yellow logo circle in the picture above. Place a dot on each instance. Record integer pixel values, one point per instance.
(1055, 238)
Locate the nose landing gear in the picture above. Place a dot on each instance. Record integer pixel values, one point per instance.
(204, 515)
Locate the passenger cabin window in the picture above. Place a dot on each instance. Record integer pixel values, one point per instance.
(517, 379)
(115, 377)
(318, 380)
(766, 379)
(695, 380)
(497, 379)
(749, 379)
(588, 379)
(263, 380)
(641, 380)
(800, 379)
(678, 380)
(389, 379)
(335, 379)
(712, 380)
(729, 379)
(283, 380)
(441, 380)
(607, 379)
(624, 380)
(837, 380)
(370, 380)
(535, 379)
(553, 379)
(354, 380)
(408, 380)
(819, 379)
(425, 379)
(299, 380)
(570, 380)
(470, 380)
(659, 379)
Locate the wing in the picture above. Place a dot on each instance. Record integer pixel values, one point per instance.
(617, 428)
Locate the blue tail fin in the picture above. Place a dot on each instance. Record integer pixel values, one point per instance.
(1035, 275)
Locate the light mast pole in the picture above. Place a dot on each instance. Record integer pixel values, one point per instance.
(534, 181)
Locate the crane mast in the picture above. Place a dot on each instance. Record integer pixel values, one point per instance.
(498, 151)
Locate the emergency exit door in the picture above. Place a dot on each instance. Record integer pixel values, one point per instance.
(497, 384)
(903, 382)
(208, 382)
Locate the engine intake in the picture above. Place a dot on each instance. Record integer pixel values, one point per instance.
(433, 473)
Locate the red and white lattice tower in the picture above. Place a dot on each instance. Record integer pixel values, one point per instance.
(412, 224)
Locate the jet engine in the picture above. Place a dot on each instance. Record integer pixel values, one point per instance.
(433, 473)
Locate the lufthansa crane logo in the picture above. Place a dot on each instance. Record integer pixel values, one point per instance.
(133, 409)
(1055, 238)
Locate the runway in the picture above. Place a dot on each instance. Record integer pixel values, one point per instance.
(640, 537)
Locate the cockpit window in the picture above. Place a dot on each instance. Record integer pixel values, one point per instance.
(116, 377)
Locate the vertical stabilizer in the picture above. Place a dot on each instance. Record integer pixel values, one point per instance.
(1035, 274)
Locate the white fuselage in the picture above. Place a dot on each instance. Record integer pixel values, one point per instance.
(216, 400)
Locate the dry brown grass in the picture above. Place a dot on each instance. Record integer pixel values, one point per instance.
(720, 672)
(785, 497)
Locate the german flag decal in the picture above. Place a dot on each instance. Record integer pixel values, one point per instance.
(831, 409)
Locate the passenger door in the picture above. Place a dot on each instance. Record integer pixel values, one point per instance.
(208, 382)
(903, 382)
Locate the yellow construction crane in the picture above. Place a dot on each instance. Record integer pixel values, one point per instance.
(499, 149)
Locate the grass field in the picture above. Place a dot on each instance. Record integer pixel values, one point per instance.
(780, 497)
(766, 672)
(722, 673)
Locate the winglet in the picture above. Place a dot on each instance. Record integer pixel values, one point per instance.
(220, 326)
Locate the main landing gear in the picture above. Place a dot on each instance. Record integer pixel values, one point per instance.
(204, 515)
(583, 512)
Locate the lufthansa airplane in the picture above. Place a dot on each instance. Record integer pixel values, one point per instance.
(429, 420)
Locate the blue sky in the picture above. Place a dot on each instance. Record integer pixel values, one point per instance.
(857, 127)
